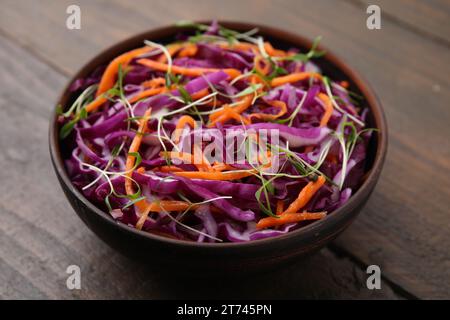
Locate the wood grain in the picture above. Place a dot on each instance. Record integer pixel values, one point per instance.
(429, 18)
(404, 227)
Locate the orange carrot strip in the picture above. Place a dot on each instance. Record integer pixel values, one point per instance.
(134, 147)
(328, 108)
(140, 170)
(280, 207)
(214, 116)
(232, 114)
(289, 218)
(293, 77)
(222, 167)
(169, 168)
(200, 94)
(156, 82)
(270, 117)
(249, 46)
(239, 46)
(246, 102)
(146, 93)
(344, 84)
(160, 206)
(305, 195)
(182, 122)
(184, 157)
(227, 175)
(172, 49)
(257, 64)
(109, 76)
(192, 72)
(199, 153)
(254, 78)
(168, 205)
(227, 112)
(188, 51)
(271, 51)
(95, 104)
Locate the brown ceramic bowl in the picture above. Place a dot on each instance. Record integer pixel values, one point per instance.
(225, 257)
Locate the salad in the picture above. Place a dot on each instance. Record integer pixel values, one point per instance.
(216, 137)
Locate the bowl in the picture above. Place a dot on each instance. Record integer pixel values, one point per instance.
(209, 258)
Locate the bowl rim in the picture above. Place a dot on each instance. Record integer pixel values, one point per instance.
(314, 228)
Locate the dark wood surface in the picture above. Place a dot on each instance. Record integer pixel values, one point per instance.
(404, 228)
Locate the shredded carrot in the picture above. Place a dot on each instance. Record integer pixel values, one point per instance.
(293, 77)
(95, 104)
(344, 84)
(233, 114)
(305, 195)
(264, 68)
(270, 117)
(229, 113)
(200, 94)
(238, 46)
(169, 169)
(192, 72)
(161, 206)
(198, 154)
(328, 108)
(227, 175)
(109, 76)
(280, 207)
(98, 101)
(256, 79)
(271, 51)
(172, 49)
(168, 205)
(221, 167)
(156, 82)
(216, 114)
(140, 170)
(147, 93)
(134, 147)
(188, 51)
(182, 122)
(285, 218)
(186, 158)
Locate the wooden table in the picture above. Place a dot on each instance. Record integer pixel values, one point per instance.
(404, 228)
